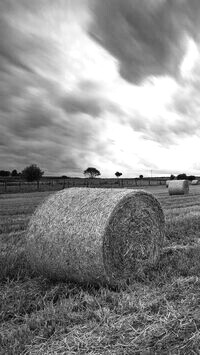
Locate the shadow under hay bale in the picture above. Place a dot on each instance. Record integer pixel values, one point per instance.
(100, 236)
(178, 187)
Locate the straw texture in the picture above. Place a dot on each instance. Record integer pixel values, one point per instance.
(95, 235)
(178, 187)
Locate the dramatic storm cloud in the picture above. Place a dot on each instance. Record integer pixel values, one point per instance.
(112, 84)
(148, 37)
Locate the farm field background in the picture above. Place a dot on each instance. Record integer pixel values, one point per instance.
(158, 314)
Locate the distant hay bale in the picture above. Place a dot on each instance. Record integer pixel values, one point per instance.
(194, 182)
(178, 187)
(95, 235)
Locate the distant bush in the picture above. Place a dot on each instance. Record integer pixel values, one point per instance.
(141, 176)
(172, 177)
(191, 177)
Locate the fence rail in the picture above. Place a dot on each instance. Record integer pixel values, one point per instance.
(8, 186)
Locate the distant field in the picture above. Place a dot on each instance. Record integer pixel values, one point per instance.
(158, 314)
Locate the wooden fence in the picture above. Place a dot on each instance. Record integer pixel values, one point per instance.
(9, 186)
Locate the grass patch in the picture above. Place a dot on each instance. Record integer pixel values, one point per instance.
(182, 230)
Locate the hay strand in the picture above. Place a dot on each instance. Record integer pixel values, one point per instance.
(95, 235)
(178, 187)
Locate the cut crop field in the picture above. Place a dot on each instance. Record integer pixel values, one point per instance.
(158, 314)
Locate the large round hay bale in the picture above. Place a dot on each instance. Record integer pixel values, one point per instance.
(178, 187)
(95, 235)
(195, 182)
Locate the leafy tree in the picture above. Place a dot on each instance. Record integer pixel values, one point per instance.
(91, 172)
(172, 177)
(4, 173)
(14, 173)
(182, 177)
(141, 176)
(32, 173)
(118, 174)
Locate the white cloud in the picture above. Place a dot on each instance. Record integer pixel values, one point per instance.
(190, 59)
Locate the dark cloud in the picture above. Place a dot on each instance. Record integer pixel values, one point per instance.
(74, 104)
(164, 131)
(186, 105)
(158, 130)
(12, 46)
(30, 121)
(90, 86)
(63, 146)
(22, 44)
(47, 146)
(186, 102)
(48, 156)
(39, 129)
(88, 98)
(146, 36)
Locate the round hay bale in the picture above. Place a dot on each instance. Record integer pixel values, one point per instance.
(167, 183)
(194, 182)
(178, 187)
(95, 235)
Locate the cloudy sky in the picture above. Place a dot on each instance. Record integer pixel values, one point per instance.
(113, 84)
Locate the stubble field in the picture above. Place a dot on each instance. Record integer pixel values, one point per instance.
(158, 314)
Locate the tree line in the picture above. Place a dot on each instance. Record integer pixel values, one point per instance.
(183, 177)
(30, 173)
(34, 173)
